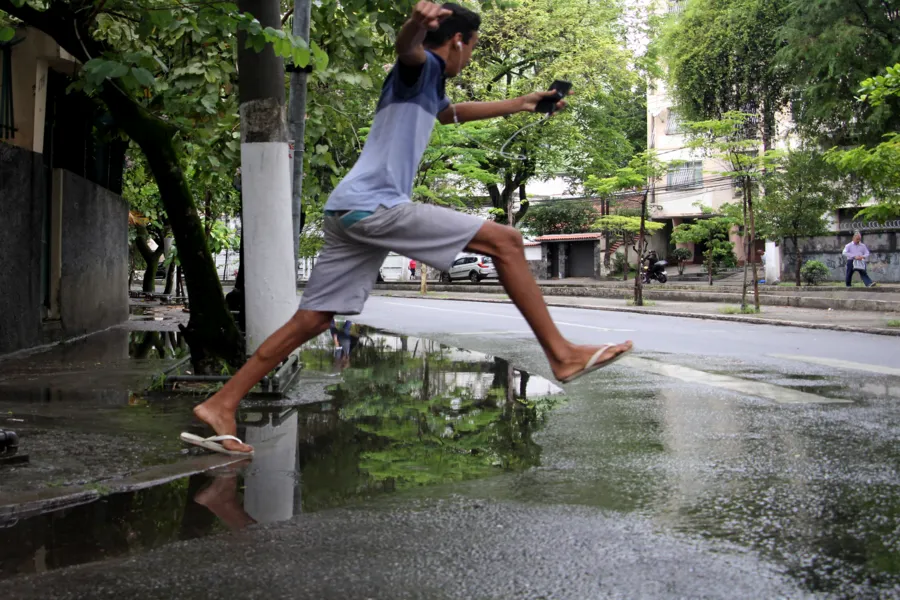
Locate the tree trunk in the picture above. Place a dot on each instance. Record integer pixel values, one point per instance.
(170, 278)
(753, 243)
(297, 109)
(151, 259)
(638, 284)
(799, 264)
(625, 268)
(523, 204)
(423, 275)
(746, 242)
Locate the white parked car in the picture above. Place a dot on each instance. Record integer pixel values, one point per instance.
(473, 267)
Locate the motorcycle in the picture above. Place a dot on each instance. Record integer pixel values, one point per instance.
(653, 268)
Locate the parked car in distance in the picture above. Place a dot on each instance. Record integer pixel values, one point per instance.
(473, 267)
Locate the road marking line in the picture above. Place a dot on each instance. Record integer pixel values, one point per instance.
(490, 332)
(781, 395)
(483, 314)
(841, 364)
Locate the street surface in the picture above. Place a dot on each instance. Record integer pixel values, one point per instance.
(721, 460)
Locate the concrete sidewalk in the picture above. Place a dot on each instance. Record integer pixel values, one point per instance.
(838, 320)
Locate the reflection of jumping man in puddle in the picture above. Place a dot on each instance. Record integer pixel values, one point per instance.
(220, 497)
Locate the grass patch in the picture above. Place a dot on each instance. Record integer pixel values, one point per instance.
(629, 301)
(793, 284)
(893, 323)
(736, 310)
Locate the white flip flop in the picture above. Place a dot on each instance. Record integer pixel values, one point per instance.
(212, 443)
(592, 365)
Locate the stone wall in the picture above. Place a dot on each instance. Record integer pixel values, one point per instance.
(884, 262)
(23, 202)
(93, 290)
(540, 268)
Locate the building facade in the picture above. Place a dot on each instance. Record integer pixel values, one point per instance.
(64, 236)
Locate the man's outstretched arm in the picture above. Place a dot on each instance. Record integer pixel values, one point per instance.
(477, 111)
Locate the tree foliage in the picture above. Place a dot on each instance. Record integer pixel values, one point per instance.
(524, 48)
(560, 217)
(713, 232)
(720, 56)
(829, 47)
(876, 168)
(801, 190)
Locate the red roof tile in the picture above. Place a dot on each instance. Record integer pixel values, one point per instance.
(567, 237)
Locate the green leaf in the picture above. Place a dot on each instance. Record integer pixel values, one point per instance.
(143, 77)
(6, 34)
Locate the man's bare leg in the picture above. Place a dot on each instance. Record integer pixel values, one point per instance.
(219, 411)
(505, 245)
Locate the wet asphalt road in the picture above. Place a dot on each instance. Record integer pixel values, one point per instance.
(660, 478)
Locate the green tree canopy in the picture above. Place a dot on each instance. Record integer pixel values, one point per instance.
(829, 47)
(720, 56)
(560, 217)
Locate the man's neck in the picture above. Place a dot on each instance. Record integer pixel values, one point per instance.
(442, 51)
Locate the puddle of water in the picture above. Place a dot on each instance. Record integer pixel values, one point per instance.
(116, 525)
(401, 413)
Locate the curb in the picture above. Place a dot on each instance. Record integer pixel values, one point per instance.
(676, 295)
(708, 317)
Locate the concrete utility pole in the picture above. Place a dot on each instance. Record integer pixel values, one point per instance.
(270, 281)
(270, 288)
(298, 125)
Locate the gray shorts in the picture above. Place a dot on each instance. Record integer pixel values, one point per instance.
(348, 265)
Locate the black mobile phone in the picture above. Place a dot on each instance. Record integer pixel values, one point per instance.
(548, 105)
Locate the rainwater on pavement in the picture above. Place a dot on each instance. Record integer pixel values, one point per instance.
(800, 471)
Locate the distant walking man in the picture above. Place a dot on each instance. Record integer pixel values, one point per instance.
(370, 214)
(412, 269)
(857, 255)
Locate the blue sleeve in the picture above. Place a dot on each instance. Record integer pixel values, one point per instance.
(430, 71)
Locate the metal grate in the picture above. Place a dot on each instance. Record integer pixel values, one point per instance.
(689, 175)
(7, 113)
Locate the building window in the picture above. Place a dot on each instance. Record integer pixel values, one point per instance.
(688, 175)
(676, 7)
(673, 124)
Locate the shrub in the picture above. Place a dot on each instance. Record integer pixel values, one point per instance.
(617, 266)
(682, 255)
(814, 272)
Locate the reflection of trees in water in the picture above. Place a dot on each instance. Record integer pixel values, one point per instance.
(156, 344)
(416, 417)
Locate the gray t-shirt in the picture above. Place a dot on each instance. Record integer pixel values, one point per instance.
(404, 120)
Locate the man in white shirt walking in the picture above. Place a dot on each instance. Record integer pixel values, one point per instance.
(857, 255)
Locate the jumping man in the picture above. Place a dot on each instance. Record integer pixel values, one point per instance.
(370, 214)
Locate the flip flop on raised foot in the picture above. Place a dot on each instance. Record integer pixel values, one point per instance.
(212, 443)
(593, 364)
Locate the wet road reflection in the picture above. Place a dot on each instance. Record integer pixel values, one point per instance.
(403, 413)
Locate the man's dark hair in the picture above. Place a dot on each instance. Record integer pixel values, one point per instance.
(462, 21)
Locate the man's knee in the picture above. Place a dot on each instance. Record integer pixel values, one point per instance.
(310, 321)
(510, 242)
